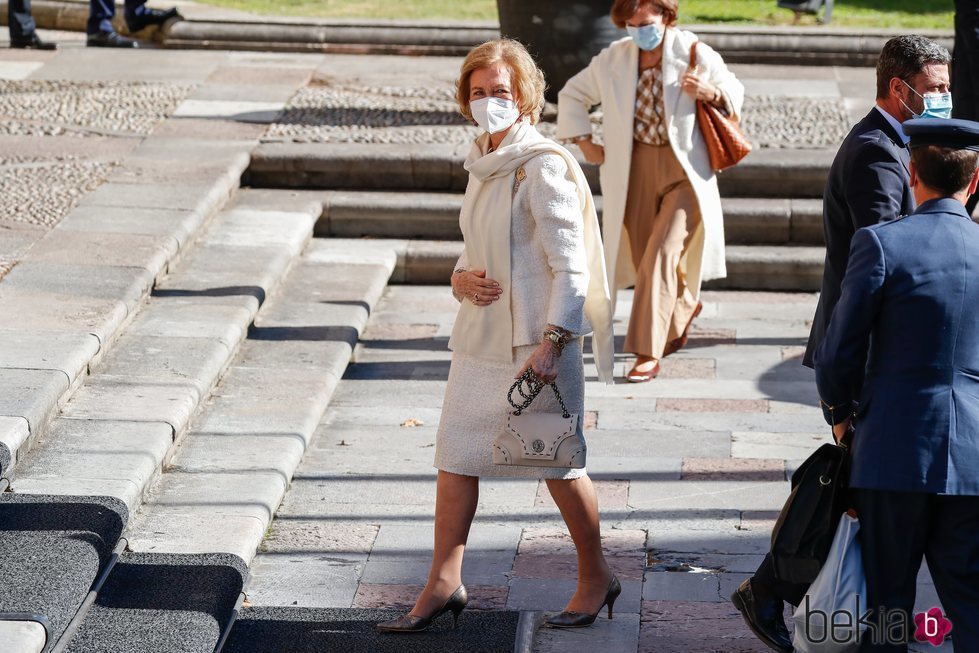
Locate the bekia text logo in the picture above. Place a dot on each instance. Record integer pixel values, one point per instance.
(881, 626)
(931, 627)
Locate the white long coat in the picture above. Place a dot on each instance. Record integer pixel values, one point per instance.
(610, 80)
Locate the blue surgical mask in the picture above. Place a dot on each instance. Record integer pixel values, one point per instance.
(647, 37)
(936, 105)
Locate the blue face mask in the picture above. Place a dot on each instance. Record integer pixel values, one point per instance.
(647, 37)
(936, 105)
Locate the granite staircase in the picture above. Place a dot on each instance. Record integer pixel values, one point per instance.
(411, 196)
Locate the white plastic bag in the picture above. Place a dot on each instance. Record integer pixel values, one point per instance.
(827, 620)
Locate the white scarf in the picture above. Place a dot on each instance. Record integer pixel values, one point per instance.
(485, 222)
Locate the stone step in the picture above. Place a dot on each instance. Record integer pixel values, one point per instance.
(119, 428)
(435, 216)
(223, 486)
(162, 603)
(65, 303)
(53, 549)
(749, 267)
(777, 173)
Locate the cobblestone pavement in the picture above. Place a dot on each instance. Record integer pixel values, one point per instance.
(690, 469)
(350, 113)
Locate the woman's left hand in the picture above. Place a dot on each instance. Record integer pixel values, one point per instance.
(697, 88)
(543, 361)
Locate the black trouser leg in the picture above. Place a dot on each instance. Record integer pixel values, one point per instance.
(19, 19)
(767, 583)
(893, 534)
(952, 552)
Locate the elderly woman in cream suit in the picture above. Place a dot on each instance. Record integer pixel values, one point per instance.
(662, 224)
(531, 283)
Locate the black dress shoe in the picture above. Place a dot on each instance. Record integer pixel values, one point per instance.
(569, 619)
(764, 617)
(409, 623)
(33, 43)
(110, 40)
(150, 17)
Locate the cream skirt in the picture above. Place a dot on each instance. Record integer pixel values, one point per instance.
(475, 410)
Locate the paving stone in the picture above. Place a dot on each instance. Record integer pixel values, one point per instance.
(275, 94)
(98, 450)
(618, 634)
(31, 394)
(228, 130)
(292, 536)
(553, 594)
(406, 541)
(277, 452)
(175, 223)
(108, 282)
(256, 494)
(712, 405)
(733, 469)
(67, 352)
(151, 359)
(402, 597)
(306, 580)
(197, 197)
(65, 246)
(240, 227)
(126, 491)
(676, 626)
(184, 317)
(784, 446)
(739, 422)
(602, 469)
(641, 443)
(237, 75)
(690, 494)
(182, 531)
(240, 111)
(611, 494)
(114, 398)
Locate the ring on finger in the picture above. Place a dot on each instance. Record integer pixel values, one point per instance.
(475, 296)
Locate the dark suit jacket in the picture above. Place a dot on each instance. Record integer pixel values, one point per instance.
(867, 184)
(908, 317)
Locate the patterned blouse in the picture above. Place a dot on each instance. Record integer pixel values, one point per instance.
(649, 125)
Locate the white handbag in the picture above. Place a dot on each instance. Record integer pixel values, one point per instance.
(827, 619)
(539, 439)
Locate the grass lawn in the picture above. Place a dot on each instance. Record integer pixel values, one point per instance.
(910, 14)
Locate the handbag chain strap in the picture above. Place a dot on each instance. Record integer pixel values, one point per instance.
(534, 387)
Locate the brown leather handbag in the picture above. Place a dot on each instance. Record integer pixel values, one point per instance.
(726, 143)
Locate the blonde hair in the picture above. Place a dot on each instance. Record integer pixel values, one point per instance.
(527, 80)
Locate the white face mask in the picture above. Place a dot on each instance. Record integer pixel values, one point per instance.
(494, 114)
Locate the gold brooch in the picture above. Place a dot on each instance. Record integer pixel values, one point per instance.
(521, 174)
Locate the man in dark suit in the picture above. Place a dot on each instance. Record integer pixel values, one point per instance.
(22, 27)
(901, 360)
(868, 183)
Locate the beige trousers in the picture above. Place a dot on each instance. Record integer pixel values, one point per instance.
(662, 216)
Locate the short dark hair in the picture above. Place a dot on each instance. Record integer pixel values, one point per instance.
(623, 10)
(906, 56)
(945, 169)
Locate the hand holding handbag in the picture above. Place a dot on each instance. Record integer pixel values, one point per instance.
(726, 143)
(538, 439)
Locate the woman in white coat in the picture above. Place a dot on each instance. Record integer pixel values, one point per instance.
(531, 282)
(662, 224)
